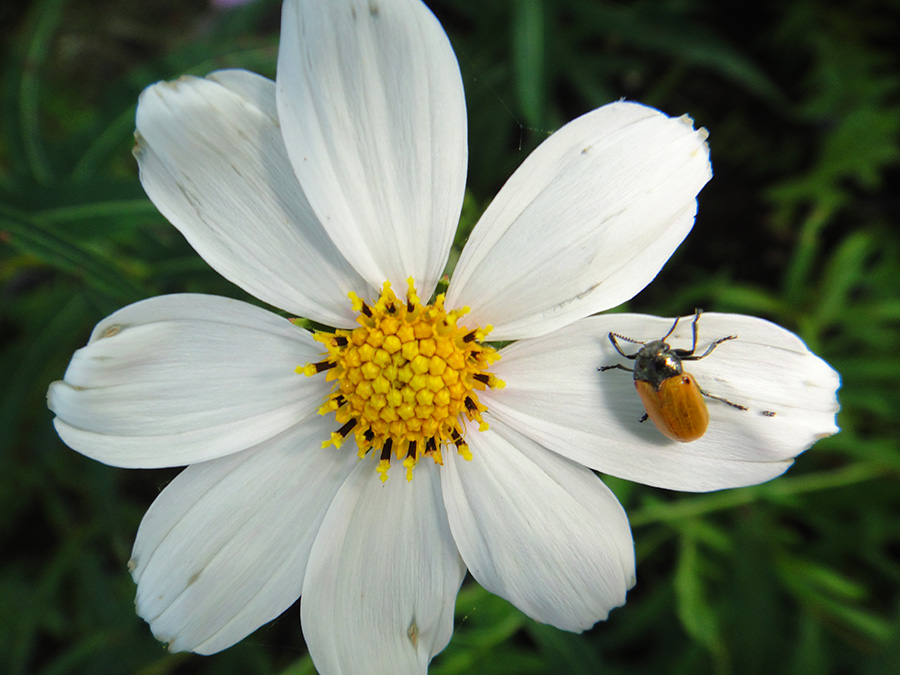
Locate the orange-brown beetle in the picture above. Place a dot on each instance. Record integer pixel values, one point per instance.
(672, 398)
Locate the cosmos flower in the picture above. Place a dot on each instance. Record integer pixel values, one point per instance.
(367, 466)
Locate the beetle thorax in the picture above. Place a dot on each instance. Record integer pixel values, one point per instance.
(656, 362)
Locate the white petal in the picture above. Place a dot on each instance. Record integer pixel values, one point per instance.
(213, 161)
(383, 576)
(180, 379)
(555, 394)
(224, 548)
(538, 530)
(585, 223)
(373, 114)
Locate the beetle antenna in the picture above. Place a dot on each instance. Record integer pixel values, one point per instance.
(615, 343)
(627, 339)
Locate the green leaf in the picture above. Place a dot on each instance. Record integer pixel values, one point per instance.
(697, 617)
(68, 255)
(844, 269)
(302, 667)
(660, 28)
(46, 16)
(529, 58)
(834, 596)
(568, 653)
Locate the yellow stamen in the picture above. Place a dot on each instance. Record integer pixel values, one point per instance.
(406, 379)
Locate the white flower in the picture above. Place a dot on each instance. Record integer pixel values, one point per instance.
(346, 173)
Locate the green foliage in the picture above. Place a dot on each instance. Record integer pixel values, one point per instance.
(799, 575)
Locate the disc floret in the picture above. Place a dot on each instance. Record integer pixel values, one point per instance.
(406, 379)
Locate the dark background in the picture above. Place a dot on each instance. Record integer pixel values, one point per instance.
(799, 225)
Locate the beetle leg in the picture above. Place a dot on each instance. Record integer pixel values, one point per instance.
(618, 365)
(672, 329)
(688, 355)
(723, 400)
(697, 313)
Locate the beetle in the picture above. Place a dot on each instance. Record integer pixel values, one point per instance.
(672, 398)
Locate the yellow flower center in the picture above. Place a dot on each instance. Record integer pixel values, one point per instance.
(405, 379)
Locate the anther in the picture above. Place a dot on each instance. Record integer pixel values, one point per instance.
(365, 310)
(322, 366)
(347, 428)
(412, 450)
(461, 446)
(385, 462)
(339, 341)
(386, 449)
(482, 377)
(470, 336)
(470, 405)
(337, 437)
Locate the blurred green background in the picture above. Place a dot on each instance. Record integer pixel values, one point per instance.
(799, 225)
